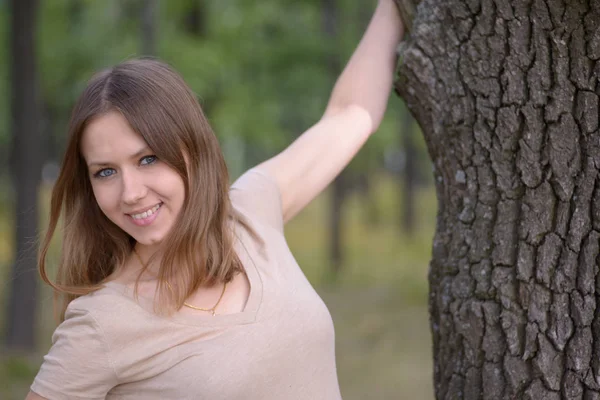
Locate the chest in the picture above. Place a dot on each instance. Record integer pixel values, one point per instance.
(281, 351)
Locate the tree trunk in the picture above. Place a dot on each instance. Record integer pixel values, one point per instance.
(195, 19)
(336, 223)
(148, 22)
(408, 175)
(26, 160)
(338, 192)
(506, 93)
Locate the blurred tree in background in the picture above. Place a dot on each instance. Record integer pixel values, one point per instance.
(25, 166)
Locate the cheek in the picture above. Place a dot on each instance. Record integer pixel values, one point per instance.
(180, 191)
(104, 199)
(172, 187)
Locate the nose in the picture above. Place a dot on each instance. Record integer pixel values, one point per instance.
(133, 188)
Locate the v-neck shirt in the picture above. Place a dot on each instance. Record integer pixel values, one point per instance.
(280, 346)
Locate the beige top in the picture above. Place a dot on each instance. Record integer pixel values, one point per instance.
(281, 346)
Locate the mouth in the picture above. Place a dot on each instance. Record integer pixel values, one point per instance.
(147, 214)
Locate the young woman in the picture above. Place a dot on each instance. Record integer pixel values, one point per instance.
(175, 285)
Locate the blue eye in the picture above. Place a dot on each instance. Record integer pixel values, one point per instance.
(147, 160)
(104, 173)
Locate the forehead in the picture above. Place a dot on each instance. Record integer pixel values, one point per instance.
(108, 137)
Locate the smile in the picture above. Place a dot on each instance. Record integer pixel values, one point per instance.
(146, 213)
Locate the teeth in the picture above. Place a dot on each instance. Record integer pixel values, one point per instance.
(147, 213)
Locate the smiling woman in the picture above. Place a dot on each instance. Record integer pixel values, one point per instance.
(176, 285)
(131, 185)
(139, 144)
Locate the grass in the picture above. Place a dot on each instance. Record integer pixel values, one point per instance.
(378, 304)
(382, 349)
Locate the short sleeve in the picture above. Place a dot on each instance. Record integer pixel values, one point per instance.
(256, 193)
(78, 364)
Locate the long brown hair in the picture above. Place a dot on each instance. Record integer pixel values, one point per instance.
(160, 107)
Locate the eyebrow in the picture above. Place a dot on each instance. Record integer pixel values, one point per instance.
(137, 154)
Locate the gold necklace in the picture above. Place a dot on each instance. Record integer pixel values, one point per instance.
(212, 310)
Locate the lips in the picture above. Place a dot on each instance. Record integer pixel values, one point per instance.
(145, 217)
(146, 213)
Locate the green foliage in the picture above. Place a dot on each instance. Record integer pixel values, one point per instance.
(259, 69)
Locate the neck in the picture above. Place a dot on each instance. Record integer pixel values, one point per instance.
(147, 256)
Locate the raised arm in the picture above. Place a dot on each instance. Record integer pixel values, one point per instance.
(367, 79)
(354, 111)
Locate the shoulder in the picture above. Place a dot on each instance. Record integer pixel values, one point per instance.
(95, 305)
(107, 312)
(256, 195)
(97, 300)
(87, 317)
(80, 359)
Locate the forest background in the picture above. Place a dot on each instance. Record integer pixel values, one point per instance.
(263, 71)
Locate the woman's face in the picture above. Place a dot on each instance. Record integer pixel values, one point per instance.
(134, 189)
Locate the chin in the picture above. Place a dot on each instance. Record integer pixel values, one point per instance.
(149, 241)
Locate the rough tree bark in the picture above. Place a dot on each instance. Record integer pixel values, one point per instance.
(506, 93)
(26, 163)
(408, 178)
